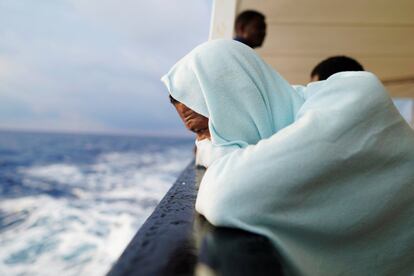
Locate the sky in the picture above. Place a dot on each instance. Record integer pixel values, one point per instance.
(95, 65)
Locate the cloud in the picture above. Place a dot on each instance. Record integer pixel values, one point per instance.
(94, 64)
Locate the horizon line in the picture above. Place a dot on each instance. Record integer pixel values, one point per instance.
(97, 132)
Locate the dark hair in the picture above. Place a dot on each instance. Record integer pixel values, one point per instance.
(245, 17)
(335, 64)
(172, 100)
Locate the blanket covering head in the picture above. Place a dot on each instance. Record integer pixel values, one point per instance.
(244, 99)
(329, 179)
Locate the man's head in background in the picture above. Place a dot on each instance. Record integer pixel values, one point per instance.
(333, 65)
(250, 28)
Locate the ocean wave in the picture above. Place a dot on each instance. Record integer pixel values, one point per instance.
(85, 227)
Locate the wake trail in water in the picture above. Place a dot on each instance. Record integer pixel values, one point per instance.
(79, 217)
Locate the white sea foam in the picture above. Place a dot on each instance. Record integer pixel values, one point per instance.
(85, 233)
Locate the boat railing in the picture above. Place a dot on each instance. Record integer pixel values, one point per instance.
(176, 240)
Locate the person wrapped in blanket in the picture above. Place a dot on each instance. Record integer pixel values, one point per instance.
(327, 175)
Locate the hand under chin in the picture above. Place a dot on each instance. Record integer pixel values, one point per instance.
(203, 134)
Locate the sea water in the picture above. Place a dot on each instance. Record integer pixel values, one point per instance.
(69, 204)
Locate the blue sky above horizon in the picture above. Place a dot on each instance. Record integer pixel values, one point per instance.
(94, 66)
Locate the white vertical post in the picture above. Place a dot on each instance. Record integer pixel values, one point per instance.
(222, 19)
(412, 113)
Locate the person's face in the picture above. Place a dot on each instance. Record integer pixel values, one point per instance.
(191, 119)
(254, 32)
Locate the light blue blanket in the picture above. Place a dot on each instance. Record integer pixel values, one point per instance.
(329, 178)
(244, 99)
